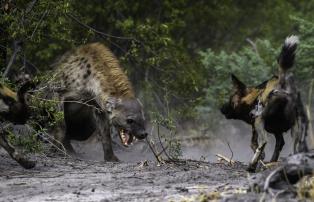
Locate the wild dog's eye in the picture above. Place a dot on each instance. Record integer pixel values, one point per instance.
(130, 121)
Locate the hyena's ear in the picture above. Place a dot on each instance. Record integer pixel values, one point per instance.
(237, 84)
(112, 103)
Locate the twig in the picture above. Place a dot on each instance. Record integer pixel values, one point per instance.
(253, 45)
(162, 146)
(72, 101)
(230, 161)
(162, 151)
(62, 149)
(97, 31)
(40, 21)
(268, 179)
(230, 151)
(17, 49)
(30, 6)
(152, 149)
(308, 111)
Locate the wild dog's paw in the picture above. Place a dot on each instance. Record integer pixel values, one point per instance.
(262, 156)
(251, 168)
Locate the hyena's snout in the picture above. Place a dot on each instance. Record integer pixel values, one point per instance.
(141, 134)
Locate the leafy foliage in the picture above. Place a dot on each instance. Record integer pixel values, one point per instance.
(254, 65)
(158, 43)
(251, 66)
(28, 143)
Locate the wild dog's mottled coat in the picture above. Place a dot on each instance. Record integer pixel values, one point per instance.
(275, 104)
(14, 109)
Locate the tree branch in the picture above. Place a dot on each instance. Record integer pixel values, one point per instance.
(17, 49)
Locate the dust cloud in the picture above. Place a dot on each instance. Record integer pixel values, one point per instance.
(236, 133)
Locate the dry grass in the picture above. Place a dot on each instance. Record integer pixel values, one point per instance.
(305, 188)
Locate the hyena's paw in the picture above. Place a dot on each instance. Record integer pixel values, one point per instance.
(27, 164)
(23, 161)
(112, 158)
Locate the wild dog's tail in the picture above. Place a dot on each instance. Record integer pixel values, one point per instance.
(287, 54)
(286, 58)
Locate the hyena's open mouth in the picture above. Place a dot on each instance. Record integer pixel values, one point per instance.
(126, 137)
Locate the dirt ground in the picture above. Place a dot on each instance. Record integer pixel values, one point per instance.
(65, 179)
(60, 178)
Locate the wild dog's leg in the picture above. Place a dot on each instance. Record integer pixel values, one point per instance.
(103, 126)
(254, 141)
(280, 142)
(13, 153)
(259, 152)
(300, 137)
(256, 157)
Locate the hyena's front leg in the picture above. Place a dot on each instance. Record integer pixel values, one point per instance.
(103, 127)
(13, 153)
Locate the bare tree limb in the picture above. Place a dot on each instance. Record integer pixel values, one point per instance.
(230, 151)
(253, 45)
(39, 22)
(152, 149)
(17, 49)
(97, 31)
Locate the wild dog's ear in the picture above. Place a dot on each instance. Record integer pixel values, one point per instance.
(237, 84)
(112, 103)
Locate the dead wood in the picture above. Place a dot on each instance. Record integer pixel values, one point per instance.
(286, 176)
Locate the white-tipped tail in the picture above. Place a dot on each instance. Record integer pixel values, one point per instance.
(287, 54)
(292, 40)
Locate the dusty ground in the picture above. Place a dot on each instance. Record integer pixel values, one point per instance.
(59, 178)
(66, 179)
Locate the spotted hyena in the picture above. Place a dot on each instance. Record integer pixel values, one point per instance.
(97, 95)
(274, 106)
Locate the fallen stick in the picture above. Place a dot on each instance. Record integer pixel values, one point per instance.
(222, 157)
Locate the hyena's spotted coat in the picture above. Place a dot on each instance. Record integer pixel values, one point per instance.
(97, 95)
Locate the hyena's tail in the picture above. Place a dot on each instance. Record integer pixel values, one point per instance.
(287, 54)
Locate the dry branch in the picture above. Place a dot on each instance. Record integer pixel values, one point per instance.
(17, 49)
(153, 150)
(224, 158)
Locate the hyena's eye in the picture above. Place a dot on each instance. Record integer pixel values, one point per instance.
(130, 121)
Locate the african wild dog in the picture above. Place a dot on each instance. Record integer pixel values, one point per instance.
(274, 106)
(97, 95)
(14, 109)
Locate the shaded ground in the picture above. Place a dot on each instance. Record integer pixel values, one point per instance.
(65, 179)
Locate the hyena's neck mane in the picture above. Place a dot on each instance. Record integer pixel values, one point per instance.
(94, 68)
(108, 71)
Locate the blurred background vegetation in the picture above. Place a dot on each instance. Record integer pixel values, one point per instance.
(178, 54)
